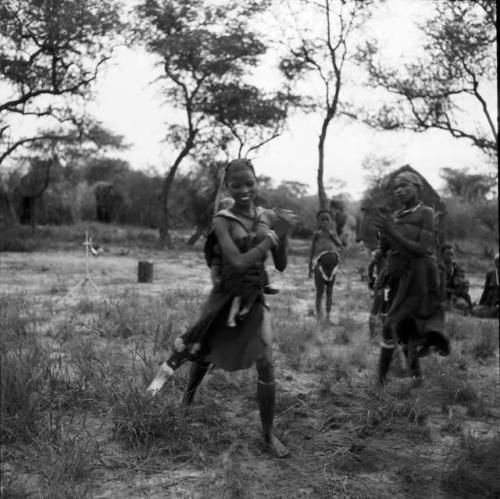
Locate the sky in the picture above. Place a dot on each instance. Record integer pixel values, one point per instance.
(129, 103)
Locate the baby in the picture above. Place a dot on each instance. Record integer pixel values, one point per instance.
(215, 263)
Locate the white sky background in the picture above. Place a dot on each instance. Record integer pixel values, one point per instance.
(130, 104)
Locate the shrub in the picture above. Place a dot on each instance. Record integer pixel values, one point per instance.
(17, 239)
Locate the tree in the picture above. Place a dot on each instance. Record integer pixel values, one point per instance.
(432, 91)
(468, 186)
(50, 50)
(200, 47)
(376, 169)
(252, 117)
(323, 53)
(201, 187)
(56, 148)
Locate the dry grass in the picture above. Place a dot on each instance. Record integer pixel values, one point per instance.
(64, 361)
(473, 468)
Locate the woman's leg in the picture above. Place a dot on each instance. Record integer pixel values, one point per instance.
(266, 392)
(196, 375)
(386, 352)
(412, 358)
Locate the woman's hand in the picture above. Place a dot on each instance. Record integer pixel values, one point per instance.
(283, 222)
(383, 223)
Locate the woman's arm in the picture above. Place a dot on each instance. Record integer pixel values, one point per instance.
(420, 247)
(311, 253)
(280, 254)
(239, 261)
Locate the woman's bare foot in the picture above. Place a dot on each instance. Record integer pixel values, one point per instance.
(276, 448)
(160, 379)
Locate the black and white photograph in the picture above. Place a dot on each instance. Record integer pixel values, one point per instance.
(249, 249)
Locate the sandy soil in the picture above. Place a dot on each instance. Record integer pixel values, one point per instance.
(343, 437)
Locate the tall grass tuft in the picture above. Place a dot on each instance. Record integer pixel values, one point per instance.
(449, 384)
(23, 374)
(485, 343)
(159, 425)
(407, 415)
(473, 470)
(292, 335)
(66, 464)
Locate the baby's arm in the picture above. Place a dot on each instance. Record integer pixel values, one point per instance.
(312, 252)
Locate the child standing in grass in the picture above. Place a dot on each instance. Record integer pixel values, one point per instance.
(323, 259)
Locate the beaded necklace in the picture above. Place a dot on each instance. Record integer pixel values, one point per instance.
(400, 213)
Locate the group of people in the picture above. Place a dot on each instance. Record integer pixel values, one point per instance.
(457, 287)
(234, 332)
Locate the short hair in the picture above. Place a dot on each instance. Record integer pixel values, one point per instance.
(238, 164)
(446, 247)
(320, 212)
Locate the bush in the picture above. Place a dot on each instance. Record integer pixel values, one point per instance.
(472, 219)
(17, 239)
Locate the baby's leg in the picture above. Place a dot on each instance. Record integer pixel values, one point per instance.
(233, 312)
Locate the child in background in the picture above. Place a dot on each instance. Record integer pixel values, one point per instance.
(325, 239)
(324, 260)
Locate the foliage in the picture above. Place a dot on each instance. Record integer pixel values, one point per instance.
(468, 186)
(205, 51)
(50, 49)
(253, 117)
(326, 57)
(472, 220)
(432, 90)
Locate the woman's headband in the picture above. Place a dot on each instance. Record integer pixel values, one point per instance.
(411, 178)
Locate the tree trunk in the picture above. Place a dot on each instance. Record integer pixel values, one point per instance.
(323, 201)
(198, 233)
(8, 216)
(164, 232)
(27, 210)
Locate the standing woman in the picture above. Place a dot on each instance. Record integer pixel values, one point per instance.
(415, 315)
(245, 234)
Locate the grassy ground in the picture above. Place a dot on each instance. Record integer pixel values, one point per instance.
(77, 423)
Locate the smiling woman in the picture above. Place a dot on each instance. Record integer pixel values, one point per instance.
(245, 233)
